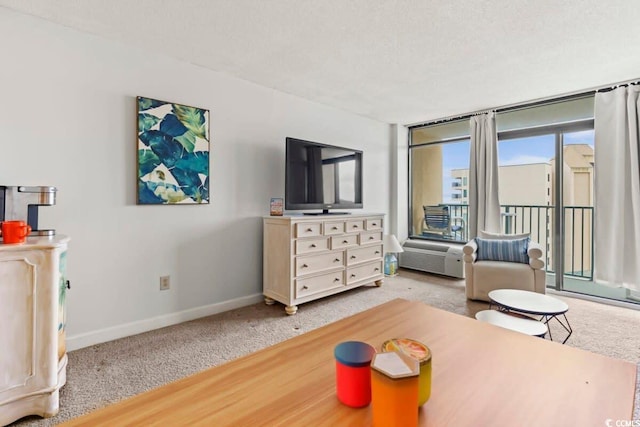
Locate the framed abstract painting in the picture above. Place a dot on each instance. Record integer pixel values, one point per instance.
(173, 153)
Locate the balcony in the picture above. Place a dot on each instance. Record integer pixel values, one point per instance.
(538, 221)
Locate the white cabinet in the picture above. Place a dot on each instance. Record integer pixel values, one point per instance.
(33, 357)
(310, 257)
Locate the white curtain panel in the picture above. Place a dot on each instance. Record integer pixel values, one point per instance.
(484, 207)
(617, 188)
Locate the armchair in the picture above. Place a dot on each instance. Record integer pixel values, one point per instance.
(495, 268)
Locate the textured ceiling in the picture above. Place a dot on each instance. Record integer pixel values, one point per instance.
(398, 61)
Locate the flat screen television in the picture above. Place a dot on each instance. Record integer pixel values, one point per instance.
(321, 176)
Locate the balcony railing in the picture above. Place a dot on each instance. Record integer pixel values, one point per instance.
(537, 220)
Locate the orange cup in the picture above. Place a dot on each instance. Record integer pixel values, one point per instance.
(394, 390)
(15, 231)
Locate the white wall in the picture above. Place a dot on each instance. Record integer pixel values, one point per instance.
(67, 119)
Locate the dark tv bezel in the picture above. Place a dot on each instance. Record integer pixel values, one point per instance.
(324, 206)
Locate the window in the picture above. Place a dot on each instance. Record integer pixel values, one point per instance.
(439, 163)
(527, 137)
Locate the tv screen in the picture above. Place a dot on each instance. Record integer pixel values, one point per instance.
(321, 176)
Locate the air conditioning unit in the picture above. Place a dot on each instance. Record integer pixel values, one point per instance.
(433, 258)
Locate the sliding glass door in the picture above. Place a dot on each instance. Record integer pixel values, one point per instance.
(525, 175)
(546, 185)
(546, 189)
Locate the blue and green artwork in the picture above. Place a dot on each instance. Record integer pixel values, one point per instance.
(173, 153)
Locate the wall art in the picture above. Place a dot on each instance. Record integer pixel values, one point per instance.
(173, 153)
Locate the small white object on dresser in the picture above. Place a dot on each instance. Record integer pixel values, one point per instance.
(33, 357)
(310, 257)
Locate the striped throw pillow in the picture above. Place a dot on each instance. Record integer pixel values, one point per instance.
(503, 250)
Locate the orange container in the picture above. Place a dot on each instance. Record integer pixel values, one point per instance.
(419, 352)
(394, 390)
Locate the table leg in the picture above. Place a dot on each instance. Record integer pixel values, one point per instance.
(566, 325)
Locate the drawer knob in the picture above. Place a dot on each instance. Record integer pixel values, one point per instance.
(355, 226)
(376, 269)
(304, 266)
(353, 257)
(377, 252)
(334, 228)
(309, 230)
(353, 275)
(336, 260)
(336, 279)
(313, 245)
(305, 287)
(371, 237)
(345, 242)
(374, 223)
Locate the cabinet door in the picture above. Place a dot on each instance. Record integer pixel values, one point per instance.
(17, 321)
(28, 310)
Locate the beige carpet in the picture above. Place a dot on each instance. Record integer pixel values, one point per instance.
(106, 373)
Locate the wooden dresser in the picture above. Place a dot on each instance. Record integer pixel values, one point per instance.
(33, 358)
(310, 257)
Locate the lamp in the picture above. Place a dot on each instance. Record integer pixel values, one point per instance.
(391, 247)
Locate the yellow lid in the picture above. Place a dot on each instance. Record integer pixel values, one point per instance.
(413, 348)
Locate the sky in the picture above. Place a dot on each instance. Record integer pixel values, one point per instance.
(536, 149)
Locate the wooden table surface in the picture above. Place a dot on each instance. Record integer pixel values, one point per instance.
(483, 375)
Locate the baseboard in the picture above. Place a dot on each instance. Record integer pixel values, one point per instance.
(75, 342)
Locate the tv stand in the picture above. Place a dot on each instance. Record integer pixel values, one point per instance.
(307, 258)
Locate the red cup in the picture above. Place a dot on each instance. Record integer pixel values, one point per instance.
(15, 231)
(353, 373)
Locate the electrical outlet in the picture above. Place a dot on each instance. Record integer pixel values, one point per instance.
(165, 283)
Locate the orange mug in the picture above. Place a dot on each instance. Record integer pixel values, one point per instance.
(15, 231)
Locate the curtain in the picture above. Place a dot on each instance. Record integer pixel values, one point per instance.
(617, 188)
(484, 207)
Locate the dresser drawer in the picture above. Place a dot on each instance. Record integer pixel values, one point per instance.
(308, 229)
(367, 237)
(315, 263)
(356, 274)
(313, 285)
(333, 228)
(373, 224)
(345, 241)
(353, 226)
(307, 246)
(358, 255)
